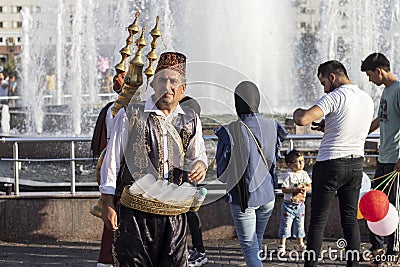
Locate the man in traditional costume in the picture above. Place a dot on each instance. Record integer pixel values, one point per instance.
(161, 138)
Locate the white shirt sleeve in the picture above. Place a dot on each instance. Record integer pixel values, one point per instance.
(196, 149)
(109, 121)
(286, 181)
(114, 153)
(329, 102)
(307, 178)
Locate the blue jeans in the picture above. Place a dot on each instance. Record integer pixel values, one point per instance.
(292, 212)
(342, 176)
(250, 227)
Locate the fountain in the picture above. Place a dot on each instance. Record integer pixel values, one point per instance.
(67, 40)
(226, 41)
(5, 119)
(351, 30)
(223, 46)
(227, 45)
(70, 38)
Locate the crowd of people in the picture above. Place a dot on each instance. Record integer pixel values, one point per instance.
(163, 137)
(8, 87)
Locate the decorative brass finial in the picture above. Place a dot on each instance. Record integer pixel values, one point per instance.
(140, 43)
(134, 75)
(126, 51)
(152, 55)
(134, 28)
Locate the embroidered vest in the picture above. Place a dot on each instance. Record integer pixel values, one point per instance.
(145, 148)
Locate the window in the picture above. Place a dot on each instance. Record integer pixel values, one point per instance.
(19, 24)
(3, 59)
(1, 9)
(1, 24)
(19, 39)
(1, 39)
(19, 8)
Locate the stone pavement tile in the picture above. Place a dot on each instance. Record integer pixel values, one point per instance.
(49, 253)
(221, 253)
(225, 252)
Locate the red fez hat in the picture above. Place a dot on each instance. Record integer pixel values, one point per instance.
(172, 60)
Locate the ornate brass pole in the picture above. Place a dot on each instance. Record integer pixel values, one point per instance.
(125, 53)
(134, 77)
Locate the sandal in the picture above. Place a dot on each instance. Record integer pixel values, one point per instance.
(302, 247)
(281, 250)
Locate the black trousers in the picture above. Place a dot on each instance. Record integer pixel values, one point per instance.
(378, 241)
(195, 230)
(342, 176)
(151, 240)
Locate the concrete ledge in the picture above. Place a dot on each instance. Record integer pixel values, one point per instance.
(56, 216)
(61, 216)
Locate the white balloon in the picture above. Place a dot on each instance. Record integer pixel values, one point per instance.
(365, 185)
(387, 225)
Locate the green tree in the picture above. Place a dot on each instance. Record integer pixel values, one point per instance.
(10, 66)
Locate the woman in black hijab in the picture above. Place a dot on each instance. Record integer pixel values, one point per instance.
(246, 156)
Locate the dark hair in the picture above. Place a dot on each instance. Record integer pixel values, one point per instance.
(332, 66)
(247, 98)
(375, 60)
(191, 103)
(292, 155)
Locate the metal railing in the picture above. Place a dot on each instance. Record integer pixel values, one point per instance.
(100, 95)
(72, 159)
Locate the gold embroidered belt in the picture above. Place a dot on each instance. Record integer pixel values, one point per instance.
(154, 206)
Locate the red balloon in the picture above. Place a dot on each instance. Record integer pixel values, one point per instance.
(374, 205)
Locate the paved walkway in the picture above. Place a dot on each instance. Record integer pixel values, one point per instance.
(221, 253)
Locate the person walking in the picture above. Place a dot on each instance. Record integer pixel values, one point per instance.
(101, 135)
(161, 138)
(246, 151)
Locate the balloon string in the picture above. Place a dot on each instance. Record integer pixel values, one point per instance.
(390, 176)
(383, 176)
(391, 184)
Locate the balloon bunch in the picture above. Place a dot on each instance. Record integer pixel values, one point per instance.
(382, 217)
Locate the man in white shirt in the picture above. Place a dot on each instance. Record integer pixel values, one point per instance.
(162, 138)
(348, 113)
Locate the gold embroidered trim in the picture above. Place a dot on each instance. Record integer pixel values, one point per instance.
(154, 206)
(139, 145)
(160, 147)
(187, 132)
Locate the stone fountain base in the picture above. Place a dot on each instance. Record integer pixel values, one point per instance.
(57, 120)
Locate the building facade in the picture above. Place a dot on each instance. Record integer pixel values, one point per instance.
(11, 27)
